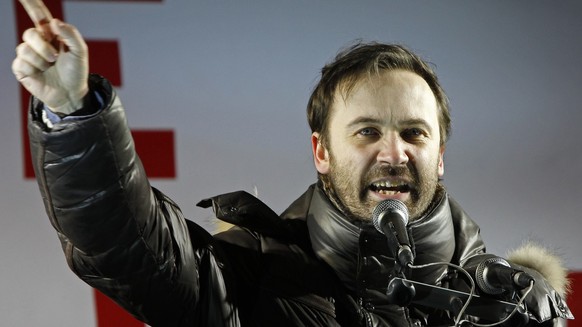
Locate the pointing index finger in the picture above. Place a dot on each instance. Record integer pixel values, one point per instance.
(37, 11)
(41, 16)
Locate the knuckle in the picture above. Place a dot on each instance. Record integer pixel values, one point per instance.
(29, 34)
(21, 48)
(17, 69)
(15, 66)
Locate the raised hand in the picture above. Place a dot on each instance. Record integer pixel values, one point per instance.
(52, 62)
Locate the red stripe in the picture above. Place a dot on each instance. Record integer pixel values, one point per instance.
(105, 59)
(110, 314)
(575, 299)
(156, 151)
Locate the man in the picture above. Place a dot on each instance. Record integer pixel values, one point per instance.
(380, 122)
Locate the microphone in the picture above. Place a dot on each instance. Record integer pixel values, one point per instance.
(390, 218)
(495, 275)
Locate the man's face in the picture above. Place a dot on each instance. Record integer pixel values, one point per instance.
(383, 143)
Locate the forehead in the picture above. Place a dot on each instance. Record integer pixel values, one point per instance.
(390, 94)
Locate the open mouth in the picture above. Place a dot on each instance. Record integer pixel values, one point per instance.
(389, 188)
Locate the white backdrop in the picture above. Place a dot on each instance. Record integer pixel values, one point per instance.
(232, 79)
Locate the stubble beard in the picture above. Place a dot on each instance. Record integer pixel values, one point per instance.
(353, 199)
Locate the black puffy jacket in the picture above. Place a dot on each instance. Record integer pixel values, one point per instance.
(307, 267)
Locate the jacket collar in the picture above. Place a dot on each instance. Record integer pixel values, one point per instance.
(359, 255)
(333, 238)
(353, 252)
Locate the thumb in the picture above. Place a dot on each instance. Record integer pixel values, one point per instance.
(70, 37)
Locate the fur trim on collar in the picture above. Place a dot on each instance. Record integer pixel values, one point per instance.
(548, 264)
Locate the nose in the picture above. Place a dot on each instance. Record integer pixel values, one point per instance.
(393, 150)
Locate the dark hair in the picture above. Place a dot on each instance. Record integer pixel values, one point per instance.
(362, 59)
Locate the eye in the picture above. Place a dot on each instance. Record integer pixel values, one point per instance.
(368, 131)
(413, 133)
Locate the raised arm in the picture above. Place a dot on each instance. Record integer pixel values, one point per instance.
(119, 234)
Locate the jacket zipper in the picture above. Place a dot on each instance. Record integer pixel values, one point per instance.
(365, 314)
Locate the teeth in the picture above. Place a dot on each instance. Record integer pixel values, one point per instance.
(389, 188)
(385, 184)
(386, 192)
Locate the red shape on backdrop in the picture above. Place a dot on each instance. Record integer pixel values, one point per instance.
(574, 300)
(156, 151)
(109, 68)
(109, 314)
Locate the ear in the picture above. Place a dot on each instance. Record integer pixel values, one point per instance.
(320, 154)
(441, 166)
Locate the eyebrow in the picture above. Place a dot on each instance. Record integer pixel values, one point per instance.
(407, 122)
(364, 120)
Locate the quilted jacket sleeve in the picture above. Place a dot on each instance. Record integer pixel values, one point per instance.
(119, 235)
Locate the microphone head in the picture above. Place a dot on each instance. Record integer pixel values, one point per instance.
(390, 205)
(482, 273)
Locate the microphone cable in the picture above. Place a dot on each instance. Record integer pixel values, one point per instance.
(458, 319)
(466, 273)
(517, 305)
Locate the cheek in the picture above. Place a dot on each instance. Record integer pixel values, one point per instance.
(428, 161)
(357, 160)
(349, 166)
(352, 157)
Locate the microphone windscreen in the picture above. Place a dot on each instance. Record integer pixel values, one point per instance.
(390, 205)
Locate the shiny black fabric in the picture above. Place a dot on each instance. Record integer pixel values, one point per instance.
(307, 267)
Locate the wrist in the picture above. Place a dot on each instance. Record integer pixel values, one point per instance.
(72, 103)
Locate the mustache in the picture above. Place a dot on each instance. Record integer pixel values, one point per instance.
(402, 172)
